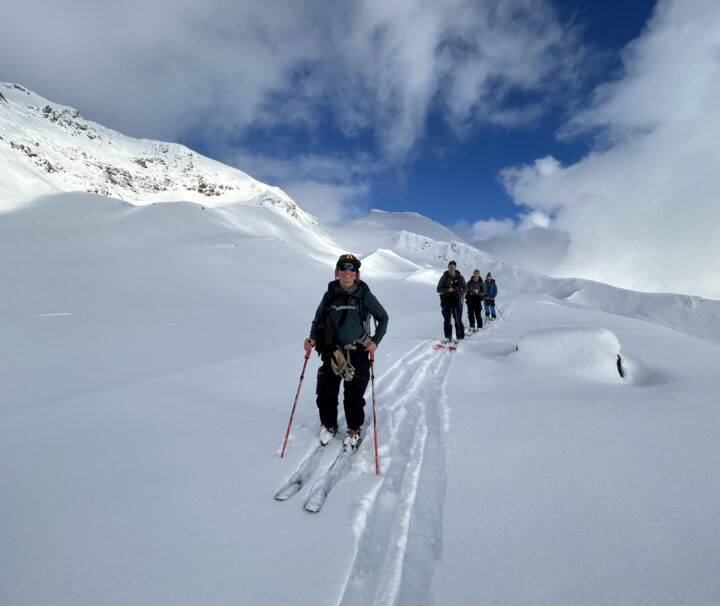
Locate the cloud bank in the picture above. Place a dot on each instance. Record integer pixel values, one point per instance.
(370, 71)
(642, 211)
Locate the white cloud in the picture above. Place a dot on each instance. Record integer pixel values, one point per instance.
(370, 70)
(371, 67)
(643, 210)
(332, 188)
(531, 242)
(327, 201)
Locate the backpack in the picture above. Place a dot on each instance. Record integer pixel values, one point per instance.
(326, 341)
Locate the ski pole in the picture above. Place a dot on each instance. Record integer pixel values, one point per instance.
(292, 414)
(372, 376)
(498, 308)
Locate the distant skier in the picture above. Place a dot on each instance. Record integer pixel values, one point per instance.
(474, 299)
(490, 294)
(452, 288)
(341, 332)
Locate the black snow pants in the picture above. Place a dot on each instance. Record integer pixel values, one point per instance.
(328, 389)
(474, 305)
(452, 309)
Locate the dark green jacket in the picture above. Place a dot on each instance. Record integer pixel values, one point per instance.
(353, 328)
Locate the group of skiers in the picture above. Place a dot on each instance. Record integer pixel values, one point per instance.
(452, 288)
(340, 332)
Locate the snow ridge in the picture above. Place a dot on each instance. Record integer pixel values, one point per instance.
(47, 147)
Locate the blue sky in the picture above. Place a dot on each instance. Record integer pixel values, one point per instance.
(473, 166)
(449, 176)
(574, 138)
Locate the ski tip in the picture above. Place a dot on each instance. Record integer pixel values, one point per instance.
(316, 501)
(285, 493)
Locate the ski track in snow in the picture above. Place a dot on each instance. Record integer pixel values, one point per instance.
(400, 524)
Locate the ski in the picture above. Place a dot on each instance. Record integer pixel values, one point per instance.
(324, 484)
(302, 475)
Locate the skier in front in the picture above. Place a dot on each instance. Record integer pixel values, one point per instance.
(340, 332)
(490, 294)
(452, 288)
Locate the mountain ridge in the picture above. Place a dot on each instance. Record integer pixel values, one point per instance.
(53, 146)
(49, 148)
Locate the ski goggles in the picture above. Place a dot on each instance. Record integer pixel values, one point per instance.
(346, 267)
(451, 266)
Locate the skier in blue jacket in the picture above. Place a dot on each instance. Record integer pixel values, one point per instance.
(490, 294)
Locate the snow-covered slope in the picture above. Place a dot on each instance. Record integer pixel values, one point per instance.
(381, 234)
(150, 360)
(151, 354)
(46, 147)
(385, 227)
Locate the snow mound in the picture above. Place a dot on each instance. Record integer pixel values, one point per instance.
(590, 353)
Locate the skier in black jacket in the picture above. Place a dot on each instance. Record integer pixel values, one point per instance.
(452, 287)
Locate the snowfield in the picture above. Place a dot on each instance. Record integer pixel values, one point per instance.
(151, 351)
(150, 359)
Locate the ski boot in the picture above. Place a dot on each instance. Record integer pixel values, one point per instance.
(352, 440)
(327, 434)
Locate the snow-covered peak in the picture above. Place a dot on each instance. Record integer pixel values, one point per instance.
(388, 224)
(46, 147)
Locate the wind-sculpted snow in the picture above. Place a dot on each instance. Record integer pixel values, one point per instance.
(439, 252)
(692, 315)
(591, 353)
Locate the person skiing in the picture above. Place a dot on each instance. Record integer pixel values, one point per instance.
(452, 288)
(474, 300)
(340, 331)
(490, 294)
